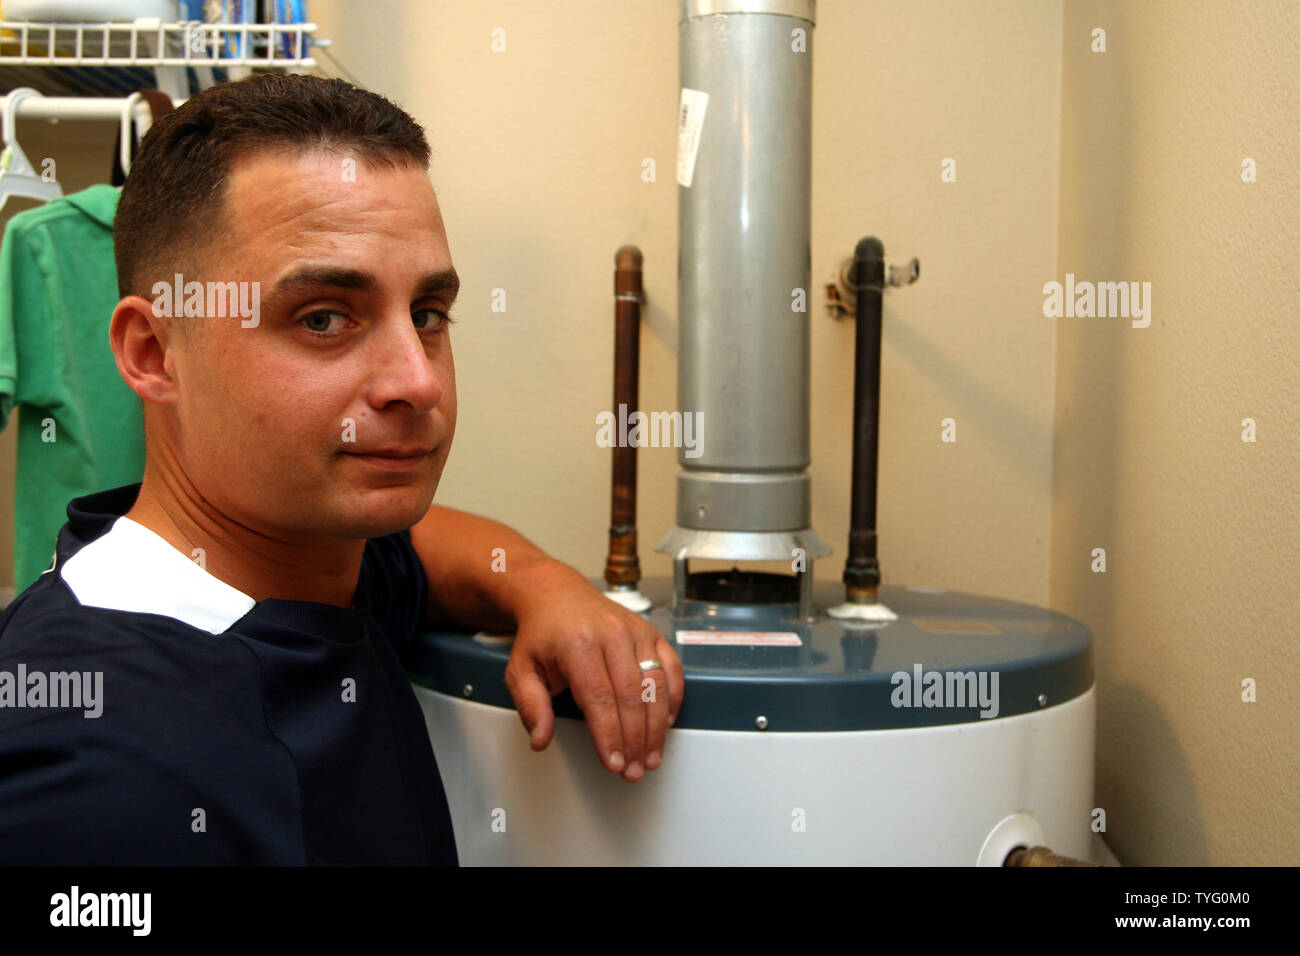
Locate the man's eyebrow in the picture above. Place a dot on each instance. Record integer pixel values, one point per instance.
(446, 281)
(315, 277)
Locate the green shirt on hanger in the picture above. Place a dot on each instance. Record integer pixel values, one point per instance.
(81, 429)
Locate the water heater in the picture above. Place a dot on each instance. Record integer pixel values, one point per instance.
(822, 724)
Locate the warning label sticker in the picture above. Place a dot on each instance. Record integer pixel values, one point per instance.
(751, 638)
(690, 120)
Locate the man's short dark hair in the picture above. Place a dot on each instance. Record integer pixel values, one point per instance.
(171, 206)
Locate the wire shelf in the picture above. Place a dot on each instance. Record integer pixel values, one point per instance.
(156, 43)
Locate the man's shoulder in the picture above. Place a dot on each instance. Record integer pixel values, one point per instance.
(117, 727)
(45, 609)
(155, 669)
(48, 619)
(57, 656)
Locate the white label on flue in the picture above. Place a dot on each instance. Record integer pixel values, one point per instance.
(690, 120)
(747, 638)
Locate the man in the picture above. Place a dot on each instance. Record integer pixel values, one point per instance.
(237, 618)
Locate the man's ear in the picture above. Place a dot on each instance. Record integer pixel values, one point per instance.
(140, 340)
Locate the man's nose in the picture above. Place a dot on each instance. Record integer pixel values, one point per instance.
(406, 366)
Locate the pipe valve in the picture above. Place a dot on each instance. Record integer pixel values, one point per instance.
(904, 275)
(842, 294)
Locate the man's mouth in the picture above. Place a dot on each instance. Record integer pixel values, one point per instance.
(392, 459)
(410, 451)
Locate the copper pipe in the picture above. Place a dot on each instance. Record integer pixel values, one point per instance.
(1041, 856)
(622, 569)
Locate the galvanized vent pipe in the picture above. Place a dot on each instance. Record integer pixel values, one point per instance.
(744, 268)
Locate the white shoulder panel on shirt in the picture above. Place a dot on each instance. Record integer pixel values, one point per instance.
(130, 568)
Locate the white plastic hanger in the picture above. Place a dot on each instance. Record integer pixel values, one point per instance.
(17, 177)
(128, 129)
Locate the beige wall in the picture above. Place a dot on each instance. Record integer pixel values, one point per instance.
(1072, 434)
(1201, 530)
(538, 156)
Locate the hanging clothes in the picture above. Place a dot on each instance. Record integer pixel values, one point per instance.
(81, 429)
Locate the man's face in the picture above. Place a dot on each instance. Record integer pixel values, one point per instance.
(350, 353)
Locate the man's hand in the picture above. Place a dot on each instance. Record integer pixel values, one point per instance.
(567, 635)
(571, 636)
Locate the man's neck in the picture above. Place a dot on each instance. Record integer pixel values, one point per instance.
(261, 566)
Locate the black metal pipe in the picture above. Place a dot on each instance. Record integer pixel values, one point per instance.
(862, 568)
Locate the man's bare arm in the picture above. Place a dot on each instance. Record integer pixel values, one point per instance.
(458, 551)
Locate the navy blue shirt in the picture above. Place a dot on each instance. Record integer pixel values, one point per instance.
(228, 731)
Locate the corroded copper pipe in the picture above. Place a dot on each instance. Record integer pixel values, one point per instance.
(622, 569)
(1041, 856)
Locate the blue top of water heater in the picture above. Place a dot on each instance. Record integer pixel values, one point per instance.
(950, 658)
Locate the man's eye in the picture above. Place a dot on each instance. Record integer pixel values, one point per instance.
(314, 321)
(436, 320)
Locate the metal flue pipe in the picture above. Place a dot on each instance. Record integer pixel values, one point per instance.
(744, 269)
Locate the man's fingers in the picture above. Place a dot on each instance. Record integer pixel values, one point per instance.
(656, 698)
(620, 658)
(533, 701)
(589, 683)
(627, 710)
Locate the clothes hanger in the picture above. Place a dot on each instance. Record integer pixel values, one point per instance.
(17, 177)
(127, 140)
(160, 104)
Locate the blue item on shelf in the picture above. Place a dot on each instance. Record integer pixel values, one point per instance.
(291, 11)
(238, 11)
